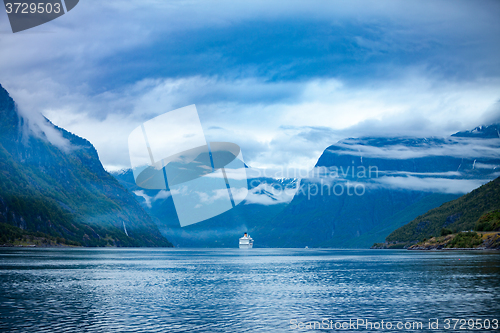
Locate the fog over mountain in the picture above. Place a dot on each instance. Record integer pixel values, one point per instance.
(359, 191)
(413, 175)
(307, 86)
(53, 184)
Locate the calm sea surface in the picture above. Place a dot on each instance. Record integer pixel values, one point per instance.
(232, 290)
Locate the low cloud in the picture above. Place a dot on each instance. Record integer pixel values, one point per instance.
(147, 199)
(35, 123)
(441, 185)
(454, 147)
(486, 166)
(288, 132)
(270, 194)
(348, 70)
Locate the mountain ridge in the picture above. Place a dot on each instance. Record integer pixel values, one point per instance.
(461, 214)
(345, 221)
(413, 175)
(63, 191)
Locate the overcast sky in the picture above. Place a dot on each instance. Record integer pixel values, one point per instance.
(283, 79)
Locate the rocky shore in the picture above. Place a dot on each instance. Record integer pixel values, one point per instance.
(459, 241)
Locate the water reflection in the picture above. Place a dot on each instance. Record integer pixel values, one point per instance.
(226, 290)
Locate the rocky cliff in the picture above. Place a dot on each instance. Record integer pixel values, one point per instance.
(52, 183)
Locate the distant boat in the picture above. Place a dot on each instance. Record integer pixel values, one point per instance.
(246, 242)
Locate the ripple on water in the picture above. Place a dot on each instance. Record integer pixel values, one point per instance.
(124, 290)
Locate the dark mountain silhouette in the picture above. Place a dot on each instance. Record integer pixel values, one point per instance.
(58, 188)
(477, 210)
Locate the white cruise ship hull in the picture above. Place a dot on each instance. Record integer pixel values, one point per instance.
(246, 242)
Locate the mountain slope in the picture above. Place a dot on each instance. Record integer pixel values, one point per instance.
(410, 176)
(219, 231)
(471, 211)
(52, 181)
(400, 178)
(491, 132)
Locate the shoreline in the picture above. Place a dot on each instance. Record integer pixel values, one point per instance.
(465, 240)
(37, 246)
(454, 249)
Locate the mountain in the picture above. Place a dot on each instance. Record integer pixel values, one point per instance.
(260, 206)
(396, 179)
(478, 210)
(408, 177)
(492, 132)
(53, 185)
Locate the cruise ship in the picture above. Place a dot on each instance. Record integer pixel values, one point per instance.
(246, 242)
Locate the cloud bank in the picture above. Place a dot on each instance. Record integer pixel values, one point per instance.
(283, 80)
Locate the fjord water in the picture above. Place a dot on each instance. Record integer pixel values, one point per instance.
(232, 290)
